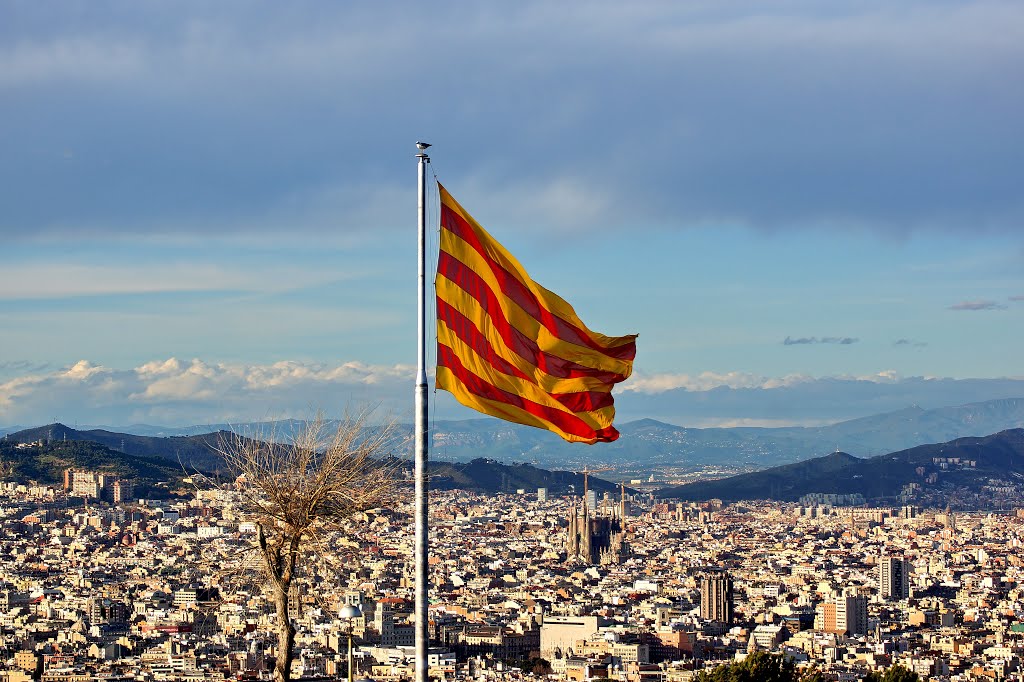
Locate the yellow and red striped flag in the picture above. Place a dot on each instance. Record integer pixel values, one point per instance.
(510, 348)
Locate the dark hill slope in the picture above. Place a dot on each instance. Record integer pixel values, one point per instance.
(192, 452)
(488, 476)
(786, 482)
(969, 463)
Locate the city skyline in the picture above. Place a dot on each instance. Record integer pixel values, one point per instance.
(210, 211)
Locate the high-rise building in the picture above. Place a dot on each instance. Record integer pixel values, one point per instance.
(542, 494)
(295, 595)
(121, 491)
(894, 577)
(846, 614)
(716, 596)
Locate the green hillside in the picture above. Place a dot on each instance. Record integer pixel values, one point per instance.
(46, 464)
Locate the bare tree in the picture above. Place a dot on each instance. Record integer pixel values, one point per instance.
(298, 491)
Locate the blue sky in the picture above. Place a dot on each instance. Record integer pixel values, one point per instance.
(209, 209)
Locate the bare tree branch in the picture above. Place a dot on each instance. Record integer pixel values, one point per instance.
(297, 491)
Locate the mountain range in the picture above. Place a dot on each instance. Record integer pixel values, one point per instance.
(649, 443)
(971, 463)
(645, 443)
(964, 463)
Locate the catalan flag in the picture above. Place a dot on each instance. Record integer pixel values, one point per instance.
(510, 348)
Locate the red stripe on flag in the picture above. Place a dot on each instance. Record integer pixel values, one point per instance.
(518, 292)
(584, 401)
(464, 329)
(566, 422)
(467, 332)
(470, 282)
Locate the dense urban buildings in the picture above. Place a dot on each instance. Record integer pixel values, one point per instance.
(156, 589)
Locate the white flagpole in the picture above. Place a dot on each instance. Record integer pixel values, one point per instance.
(422, 585)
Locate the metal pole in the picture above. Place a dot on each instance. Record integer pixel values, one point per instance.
(350, 650)
(422, 603)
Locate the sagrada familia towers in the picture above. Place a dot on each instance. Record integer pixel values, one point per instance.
(598, 539)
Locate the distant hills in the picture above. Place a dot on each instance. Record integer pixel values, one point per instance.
(189, 452)
(152, 459)
(645, 444)
(648, 443)
(999, 456)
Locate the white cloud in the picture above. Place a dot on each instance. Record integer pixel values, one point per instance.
(81, 371)
(290, 373)
(83, 59)
(707, 381)
(174, 392)
(168, 366)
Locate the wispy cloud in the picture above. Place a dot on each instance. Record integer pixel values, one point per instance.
(809, 400)
(1017, 298)
(910, 342)
(12, 366)
(39, 281)
(709, 381)
(811, 340)
(977, 305)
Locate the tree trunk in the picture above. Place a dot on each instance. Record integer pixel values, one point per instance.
(285, 635)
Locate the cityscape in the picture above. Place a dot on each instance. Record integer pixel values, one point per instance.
(648, 341)
(98, 585)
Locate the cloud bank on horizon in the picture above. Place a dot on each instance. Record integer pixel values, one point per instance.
(177, 393)
(763, 191)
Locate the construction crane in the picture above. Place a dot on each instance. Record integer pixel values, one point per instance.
(586, 478)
